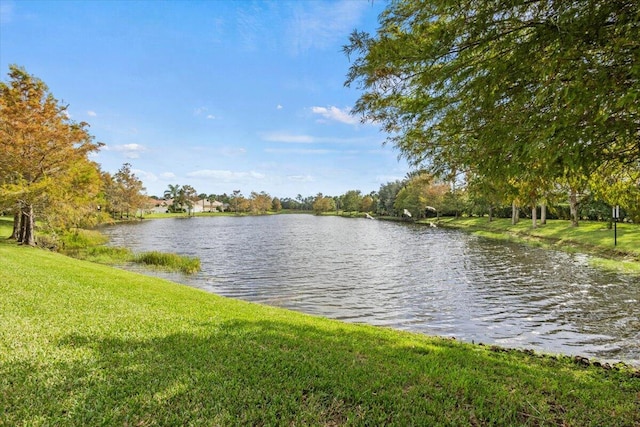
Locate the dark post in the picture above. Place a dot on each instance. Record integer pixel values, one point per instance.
(616, 215)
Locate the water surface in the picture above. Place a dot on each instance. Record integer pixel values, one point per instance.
(430, 280)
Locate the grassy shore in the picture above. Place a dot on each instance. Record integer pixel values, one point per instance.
(87, 344)
(590, 237)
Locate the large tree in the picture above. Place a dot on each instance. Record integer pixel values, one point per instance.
(42, 150)
(541, 88)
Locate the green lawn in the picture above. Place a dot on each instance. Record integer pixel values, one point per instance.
(87, 344)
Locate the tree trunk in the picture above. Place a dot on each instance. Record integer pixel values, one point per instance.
(573, 204)
(534, 216)
(515, 214)
(543, 214)
(16, 225)
(27, 236)
(490, 213)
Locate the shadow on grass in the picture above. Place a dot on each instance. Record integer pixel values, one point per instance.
(278, 373)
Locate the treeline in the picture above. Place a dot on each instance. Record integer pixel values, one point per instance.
(419, 195)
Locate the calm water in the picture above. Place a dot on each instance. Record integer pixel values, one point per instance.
(430, 280)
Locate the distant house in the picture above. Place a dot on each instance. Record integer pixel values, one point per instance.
(159, 206)
(204, 205)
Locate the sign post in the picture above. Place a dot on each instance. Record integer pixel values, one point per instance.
(616, 216)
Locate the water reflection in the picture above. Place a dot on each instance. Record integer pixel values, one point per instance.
(436, 281)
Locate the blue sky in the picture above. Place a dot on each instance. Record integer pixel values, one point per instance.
(221, 95)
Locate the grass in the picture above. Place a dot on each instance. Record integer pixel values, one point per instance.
(169, 261)
(80, 239)
(590, 237)
(86, 344)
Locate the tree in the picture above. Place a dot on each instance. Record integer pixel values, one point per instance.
(188, 196)
(174, 194)
(487, 194)
(421, 193)
(618, 184)
(366, 204)
(351, 201)
(260, 202)
(237, 200)
(276, 205)
(387, 196)
(73, 202)
(323, 204)
(40, 145)
(126, 192)
(503, 88)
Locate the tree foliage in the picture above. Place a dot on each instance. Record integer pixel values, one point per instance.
(44, 164)
(534, 90)
(323, 204)
(124, 192)
(420, 194)
(260, 202)
(351, 201)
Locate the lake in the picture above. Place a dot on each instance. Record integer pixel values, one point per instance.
(430, 280)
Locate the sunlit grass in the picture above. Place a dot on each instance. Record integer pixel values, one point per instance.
(79, 239)
(86, 344)
(6, 227)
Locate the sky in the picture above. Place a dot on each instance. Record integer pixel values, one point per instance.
(220, 95)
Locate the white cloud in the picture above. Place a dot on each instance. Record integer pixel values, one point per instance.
(279, 107)
(91, 113)
(211, 116)
(287, 137)
(168, 175)
(336, 114)
(131, 151)
(145, 176)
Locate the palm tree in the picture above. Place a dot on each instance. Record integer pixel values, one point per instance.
(173, 193)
